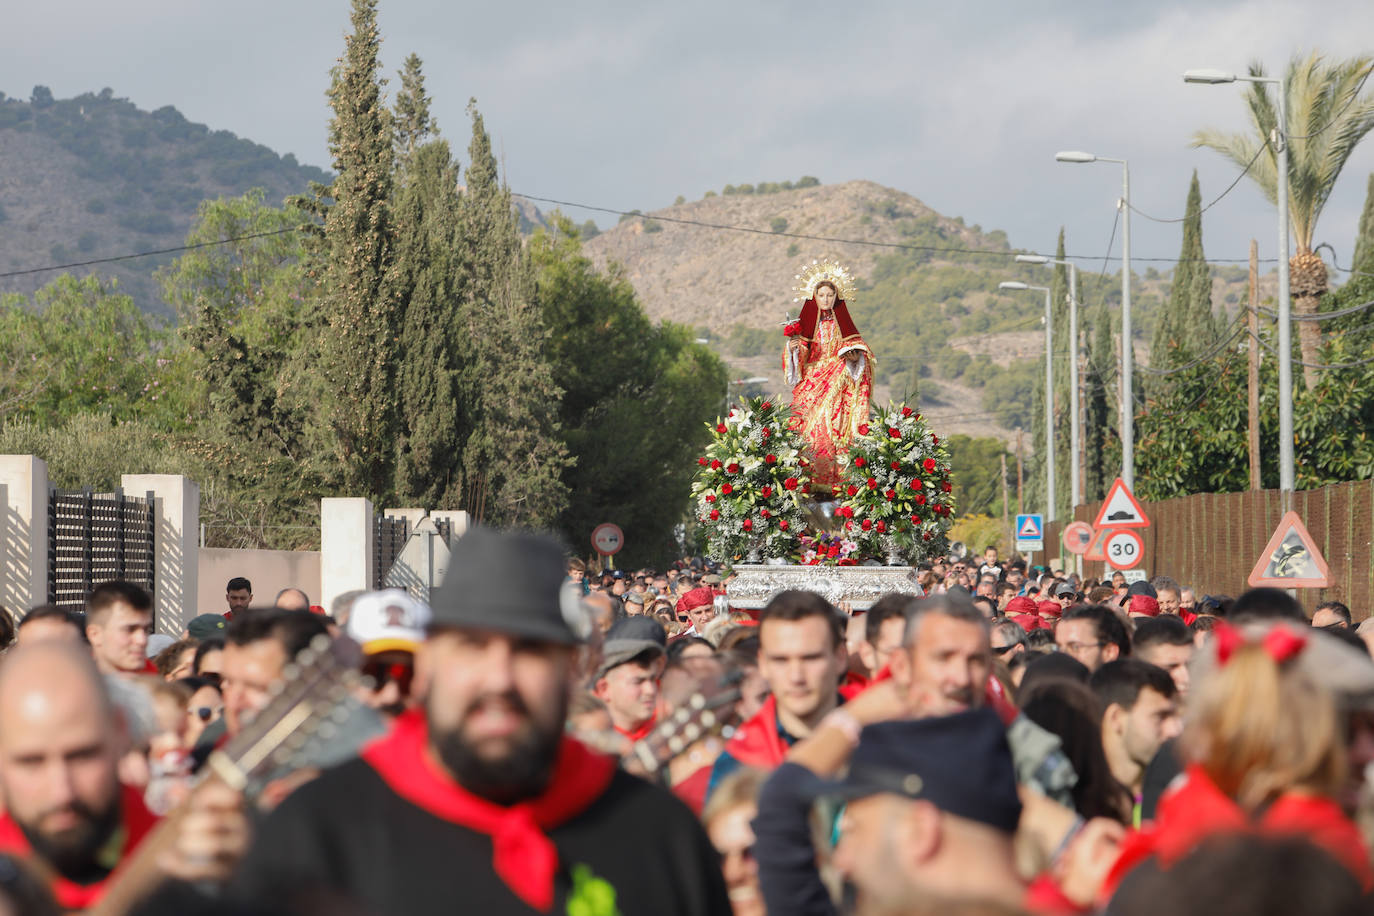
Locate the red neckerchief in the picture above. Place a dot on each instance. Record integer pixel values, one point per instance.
(757, 742)
(1197, 809)
(522, 853)
(639, 733)
(1188, 617)
(136, 821)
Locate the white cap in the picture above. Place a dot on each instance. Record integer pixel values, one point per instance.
(388, 621)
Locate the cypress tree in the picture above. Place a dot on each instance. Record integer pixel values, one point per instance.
(356, 347)
(1185, 324)
(1065, 351)
(1099, 434)
(514, 456)
(413, 121)
(1363, 260)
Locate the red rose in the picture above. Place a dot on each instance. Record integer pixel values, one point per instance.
(851, 490)
(944, 510)
(790, 483)
(766, 433)
(748, 524)
(715, 465)
(732, 468)
(915, 520)
(860, 462)
(907, 411)
(928, 464)
(920, 499)
(710, 497)
(934, 439)
(866, 524)
(792, 330)
(873, 483)
(726, 489)
(702, 461)
(847, 511)
(765, 513)
(715, 514)
(863, 429)
(720, 427)
(882, 527)
(848, 526)
(946, 486)
(917, 484)
(894, 432)
(834, 550)
(890, 494)
(926, 536)
(764, 406)
(896, 465)
(784, 524)
(766, 492)
(848, 561)
(771, 459)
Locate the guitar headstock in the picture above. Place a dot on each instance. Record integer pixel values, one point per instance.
(311, 718)
(707, 711)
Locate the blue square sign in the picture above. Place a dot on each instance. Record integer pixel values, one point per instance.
(1030, 532)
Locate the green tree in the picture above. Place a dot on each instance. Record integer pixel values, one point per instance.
(412, 117)
(1363, 260)
(1101, 436)
(635, 398)
(977, 474)
(1327, 119)
(1185, 326)
(431, 276)
(514, 456)
(356, 345)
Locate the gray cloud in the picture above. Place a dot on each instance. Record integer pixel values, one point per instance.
(629, 104)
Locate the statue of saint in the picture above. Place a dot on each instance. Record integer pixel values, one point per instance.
(830, 369)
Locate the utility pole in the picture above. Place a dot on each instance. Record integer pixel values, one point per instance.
(1006, 507)
(1020, 480)
(1252, 321)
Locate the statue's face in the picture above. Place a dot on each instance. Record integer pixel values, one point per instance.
(825, 298)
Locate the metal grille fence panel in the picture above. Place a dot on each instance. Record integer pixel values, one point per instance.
(391, 534)
(95, 538)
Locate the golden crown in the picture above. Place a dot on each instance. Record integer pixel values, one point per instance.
(817, 272)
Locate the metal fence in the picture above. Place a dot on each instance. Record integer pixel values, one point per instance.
(390, 537)
(1211, 541)
(94, 538)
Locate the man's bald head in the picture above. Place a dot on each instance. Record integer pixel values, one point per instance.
(60, 742)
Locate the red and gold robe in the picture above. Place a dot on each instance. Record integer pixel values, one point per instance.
(830, 397)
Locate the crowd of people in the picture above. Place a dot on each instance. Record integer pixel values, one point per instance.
(544, 738)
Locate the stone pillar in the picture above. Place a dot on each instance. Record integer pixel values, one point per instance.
(457, 517)
(176, 546)
(411, 515)
(23, 532)
(347, 547)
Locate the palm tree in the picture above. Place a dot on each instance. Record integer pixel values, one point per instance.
(1327, 118)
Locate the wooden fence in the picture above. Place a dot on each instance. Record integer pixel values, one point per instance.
(1211, 541)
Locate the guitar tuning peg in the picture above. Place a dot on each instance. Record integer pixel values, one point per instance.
(306, 657)
(708, 719)
(697, 701)
(675, 744)
(692, 732)
(682, 715)
(290, 672)
(320, 644)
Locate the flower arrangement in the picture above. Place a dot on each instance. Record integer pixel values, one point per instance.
(829, 550)
(895, 500)
(750, 483)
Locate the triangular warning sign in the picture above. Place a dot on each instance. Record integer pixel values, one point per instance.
(1121, 509)
(1097, 547)
(1030, 529)
(1291, 558)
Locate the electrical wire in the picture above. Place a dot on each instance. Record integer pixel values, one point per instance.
(147, 254)
(1229, 188)
(1209, 355)
(1319, 366)
(1319, 316)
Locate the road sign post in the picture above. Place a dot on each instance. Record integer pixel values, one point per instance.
(607, 539)
(1030, 532)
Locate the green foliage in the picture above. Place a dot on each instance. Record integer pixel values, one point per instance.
(1363, 260)
(976, 471)
(634, 403)
(768, 187)
(1184, 326)
(778, 224)
(745, 341)
(1101, 437)
(412, 118)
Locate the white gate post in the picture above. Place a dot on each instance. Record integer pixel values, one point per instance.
(23, 533)
(176, 546)
(347, 547)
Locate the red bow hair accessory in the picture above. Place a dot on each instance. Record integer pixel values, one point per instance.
(1281, 643)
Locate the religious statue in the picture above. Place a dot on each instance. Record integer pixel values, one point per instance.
(830, 369)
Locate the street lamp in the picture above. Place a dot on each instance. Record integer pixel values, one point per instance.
(1075, 493)
(1127, 354)
(1049, 387)
(1280, 141)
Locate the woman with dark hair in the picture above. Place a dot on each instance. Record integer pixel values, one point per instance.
(830, 369)
(1070, 710)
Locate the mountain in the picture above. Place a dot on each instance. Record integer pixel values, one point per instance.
(95, 176)
(934, 316)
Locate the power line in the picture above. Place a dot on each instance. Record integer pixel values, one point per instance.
(146, 254)
(1297, 362)
(1319, 316)
(1229, 189)
(1209, 355)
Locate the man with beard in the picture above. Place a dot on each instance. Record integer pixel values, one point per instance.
(478, 801)
(60, 744)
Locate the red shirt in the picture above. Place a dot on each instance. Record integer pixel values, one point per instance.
(136, 821)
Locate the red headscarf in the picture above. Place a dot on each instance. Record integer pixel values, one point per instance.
(697, 597)
(1143, 604)
(1050, 609)
(522, 853)
(1021, 605)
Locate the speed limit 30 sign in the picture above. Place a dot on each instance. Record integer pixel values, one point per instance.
(1124, 548)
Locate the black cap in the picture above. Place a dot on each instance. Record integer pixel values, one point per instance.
(1065, 588)
(1142, 587)
(629, 639)
(961, 764)
(508, 582)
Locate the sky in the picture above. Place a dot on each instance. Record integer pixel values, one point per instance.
(629, 104)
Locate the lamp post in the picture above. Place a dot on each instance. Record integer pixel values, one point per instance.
(1049, 389)
(1280, 141)
(1127, 354)
(1075, 491)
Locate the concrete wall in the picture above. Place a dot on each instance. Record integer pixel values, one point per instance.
(270, 571)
